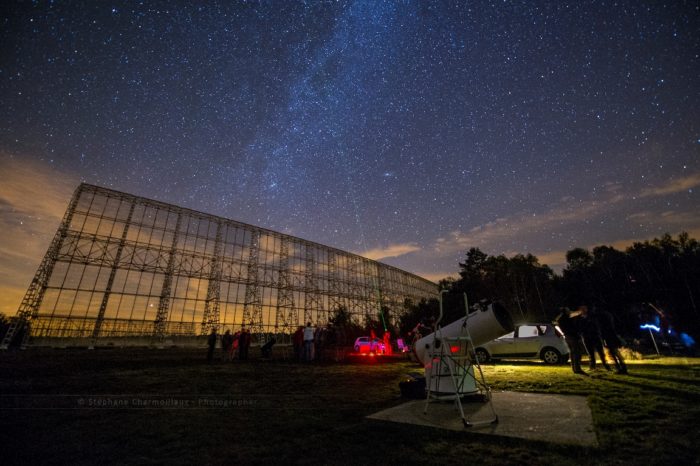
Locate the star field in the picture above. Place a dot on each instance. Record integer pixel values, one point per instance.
(419, 127)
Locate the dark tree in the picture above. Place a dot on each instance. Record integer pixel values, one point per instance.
(343, 329)
(424, 312)
(520, 283)
(664, 272)
(649, 280)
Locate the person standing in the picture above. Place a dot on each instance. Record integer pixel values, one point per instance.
(606, 322)
(319, 343)
(226, 344)
(234, 347)
(298, 341)
(387, 343)
(591, 337)
(308, 342)
(211, 343)
(243, 344)
(569, 323)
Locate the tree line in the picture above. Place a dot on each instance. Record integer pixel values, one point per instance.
(655, 281)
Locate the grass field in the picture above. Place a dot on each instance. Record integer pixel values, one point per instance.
(170, 406)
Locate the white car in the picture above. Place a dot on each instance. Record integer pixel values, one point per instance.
(538, 341)
(369, 345)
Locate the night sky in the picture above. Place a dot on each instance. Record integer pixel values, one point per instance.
(405, 131)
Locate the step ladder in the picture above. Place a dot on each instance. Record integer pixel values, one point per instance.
(455, 373)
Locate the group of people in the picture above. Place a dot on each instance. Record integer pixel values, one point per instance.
(594, 328)
(232, 345)
(308, 344)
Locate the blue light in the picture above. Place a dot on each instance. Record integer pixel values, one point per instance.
(650, 327)
(687, 340)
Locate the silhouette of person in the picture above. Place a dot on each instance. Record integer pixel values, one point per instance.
(308, 342)
(591, 337)
(243, 344)
(570, 323)
(298, 341)
(226, 344)
(211, 343)
(606, 322)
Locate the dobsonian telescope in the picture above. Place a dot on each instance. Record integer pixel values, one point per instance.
(482, 323)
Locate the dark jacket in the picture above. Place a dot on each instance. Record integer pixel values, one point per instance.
(227, 341)
(606, 322)
(571, 326)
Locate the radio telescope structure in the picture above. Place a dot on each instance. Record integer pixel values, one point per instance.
(123, 269)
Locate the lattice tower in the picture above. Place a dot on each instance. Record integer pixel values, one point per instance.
(286, 315)
(252, 307)
(336, 296)
(312, 302)
(31, 302)
(210, 319)
(160, 324)
(112, 274)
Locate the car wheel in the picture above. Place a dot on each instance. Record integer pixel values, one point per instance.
(551, 356)
(482, 355)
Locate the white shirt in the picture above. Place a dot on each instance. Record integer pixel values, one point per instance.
(308, 333)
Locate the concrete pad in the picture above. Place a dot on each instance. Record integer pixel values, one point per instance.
(562, 419)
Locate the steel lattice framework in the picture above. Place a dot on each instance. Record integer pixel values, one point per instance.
(124, 266)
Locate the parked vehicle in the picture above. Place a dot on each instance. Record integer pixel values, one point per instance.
(369, 345)
(538, 341)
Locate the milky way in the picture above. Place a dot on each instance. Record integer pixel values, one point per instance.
(406, 129)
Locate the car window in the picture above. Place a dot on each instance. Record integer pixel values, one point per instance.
(508, 335)
(526, 331)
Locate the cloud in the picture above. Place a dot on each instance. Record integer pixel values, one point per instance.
(569, 214)
(33, 199)
(673, 186)
(436, 277)
(556, 260)
(522, 224)
(393, 250)
(673, 220)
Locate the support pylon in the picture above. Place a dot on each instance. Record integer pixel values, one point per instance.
(29, 307)
(252, 306)
(210, 320)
